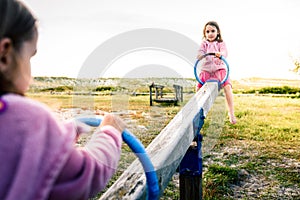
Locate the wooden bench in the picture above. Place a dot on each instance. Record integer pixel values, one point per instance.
(158, 89)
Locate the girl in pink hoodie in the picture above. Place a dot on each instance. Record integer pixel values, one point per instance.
(39, 159)
(214, 68)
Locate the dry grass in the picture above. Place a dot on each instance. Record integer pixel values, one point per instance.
(264, 145)
(265, 138)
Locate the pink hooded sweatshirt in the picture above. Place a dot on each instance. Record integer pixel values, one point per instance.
(39, 159)
(212, 64)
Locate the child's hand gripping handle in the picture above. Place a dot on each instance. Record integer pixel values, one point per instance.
(218, 55)
(137, 147)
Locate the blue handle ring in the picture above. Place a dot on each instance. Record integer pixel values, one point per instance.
(211, 54)
(138, 148)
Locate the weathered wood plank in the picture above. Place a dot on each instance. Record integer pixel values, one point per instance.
(166, 150)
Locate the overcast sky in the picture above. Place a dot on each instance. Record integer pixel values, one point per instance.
(261, 35)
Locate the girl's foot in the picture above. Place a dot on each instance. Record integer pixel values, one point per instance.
(232, 119)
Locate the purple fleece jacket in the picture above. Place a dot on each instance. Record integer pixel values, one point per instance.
(39, 159)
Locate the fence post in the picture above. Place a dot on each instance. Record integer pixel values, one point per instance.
(178, 92)
(150, 89)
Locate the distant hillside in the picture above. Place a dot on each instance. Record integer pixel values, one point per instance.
(129, 84)
(64, 84)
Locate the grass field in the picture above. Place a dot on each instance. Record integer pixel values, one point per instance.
(262, 148)
(258, 158)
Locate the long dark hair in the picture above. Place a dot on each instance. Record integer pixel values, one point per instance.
(16, 22)
(215, 24)
(19, 25)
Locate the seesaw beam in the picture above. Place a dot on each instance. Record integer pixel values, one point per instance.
(166, 150)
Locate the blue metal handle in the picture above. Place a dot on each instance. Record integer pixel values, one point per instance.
(211, 54)
(138, 148)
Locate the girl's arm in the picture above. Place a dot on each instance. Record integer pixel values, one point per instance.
(202, 50)
(223, 50)
(88, 169)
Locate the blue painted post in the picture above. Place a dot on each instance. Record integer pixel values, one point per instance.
(190, 168)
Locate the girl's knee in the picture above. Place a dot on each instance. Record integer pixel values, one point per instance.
(227, 87)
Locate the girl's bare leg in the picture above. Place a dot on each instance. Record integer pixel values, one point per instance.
(229, 99)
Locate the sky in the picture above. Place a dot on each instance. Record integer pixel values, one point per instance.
(261, 36)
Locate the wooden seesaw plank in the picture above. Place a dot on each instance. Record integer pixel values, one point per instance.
(166, 150)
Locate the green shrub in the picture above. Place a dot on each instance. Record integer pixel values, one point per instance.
(103, 88)
(57, 89)
(274, 90)
(279, 90)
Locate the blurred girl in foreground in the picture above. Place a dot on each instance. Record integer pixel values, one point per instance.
(37, 151)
